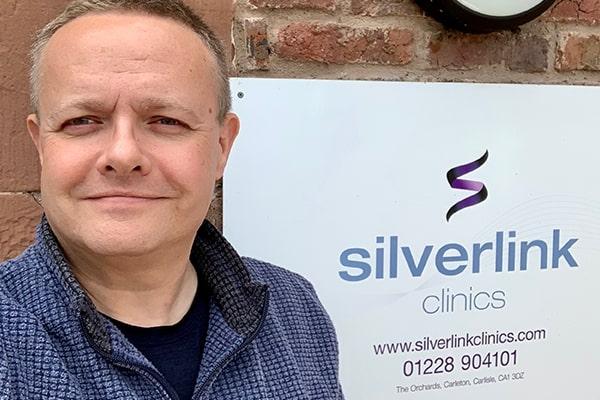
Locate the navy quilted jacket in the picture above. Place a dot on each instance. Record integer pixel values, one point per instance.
(268, 335)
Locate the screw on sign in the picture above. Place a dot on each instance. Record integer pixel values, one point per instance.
(485, 15)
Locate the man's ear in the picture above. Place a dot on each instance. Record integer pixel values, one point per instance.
(228, 132)
(33, 126)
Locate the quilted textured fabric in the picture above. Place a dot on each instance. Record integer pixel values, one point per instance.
(268, 335)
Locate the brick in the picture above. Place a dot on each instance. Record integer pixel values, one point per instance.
(529, 54)
(579, 52)
(19, 214)
(336, 44)
(257, 43)
(19, 20)
(19, 167)
(458, 51)
(464, 51)
(378, 8)
(215, 211)
(587, 11)
(8, 8)
(327, 5)
(218, 15)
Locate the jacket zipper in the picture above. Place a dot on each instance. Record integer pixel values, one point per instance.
(148, 373)
(158, 378)
(228, 359)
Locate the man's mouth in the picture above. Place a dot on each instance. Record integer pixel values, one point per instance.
(123, 198)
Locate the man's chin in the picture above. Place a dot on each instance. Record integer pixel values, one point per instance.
(136, 236)
(120, 246)
(120, 240)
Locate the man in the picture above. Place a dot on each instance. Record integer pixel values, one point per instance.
(127, 293)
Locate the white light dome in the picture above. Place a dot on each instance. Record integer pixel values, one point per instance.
(500, 8)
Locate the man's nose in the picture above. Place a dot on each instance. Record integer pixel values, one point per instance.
(124, 154)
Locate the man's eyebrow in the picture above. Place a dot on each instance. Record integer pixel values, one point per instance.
(151, 104)
(157, 104)
(77, 104)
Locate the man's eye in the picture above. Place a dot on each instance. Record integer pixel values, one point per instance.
(81, 125)
(80, 121)
(167, 121)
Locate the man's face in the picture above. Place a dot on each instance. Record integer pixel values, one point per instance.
(128, 135)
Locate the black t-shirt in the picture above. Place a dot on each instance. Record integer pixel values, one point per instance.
(176, 350)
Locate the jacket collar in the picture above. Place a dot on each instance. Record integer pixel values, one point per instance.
(241, 300)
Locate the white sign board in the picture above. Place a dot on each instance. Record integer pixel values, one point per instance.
(452, 231)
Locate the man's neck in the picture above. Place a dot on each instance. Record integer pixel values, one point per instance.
(143, 291)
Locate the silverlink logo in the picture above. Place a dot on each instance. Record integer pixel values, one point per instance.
(453, 179)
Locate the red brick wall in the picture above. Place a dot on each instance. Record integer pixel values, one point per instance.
(393, 40)
(19, 182)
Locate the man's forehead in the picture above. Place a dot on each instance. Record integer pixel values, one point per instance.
(110, 54)
(132, 33)
(123, 19)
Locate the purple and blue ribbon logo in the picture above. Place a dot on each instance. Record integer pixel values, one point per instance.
(453, 178)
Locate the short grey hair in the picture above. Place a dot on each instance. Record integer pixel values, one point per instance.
(173, 9)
